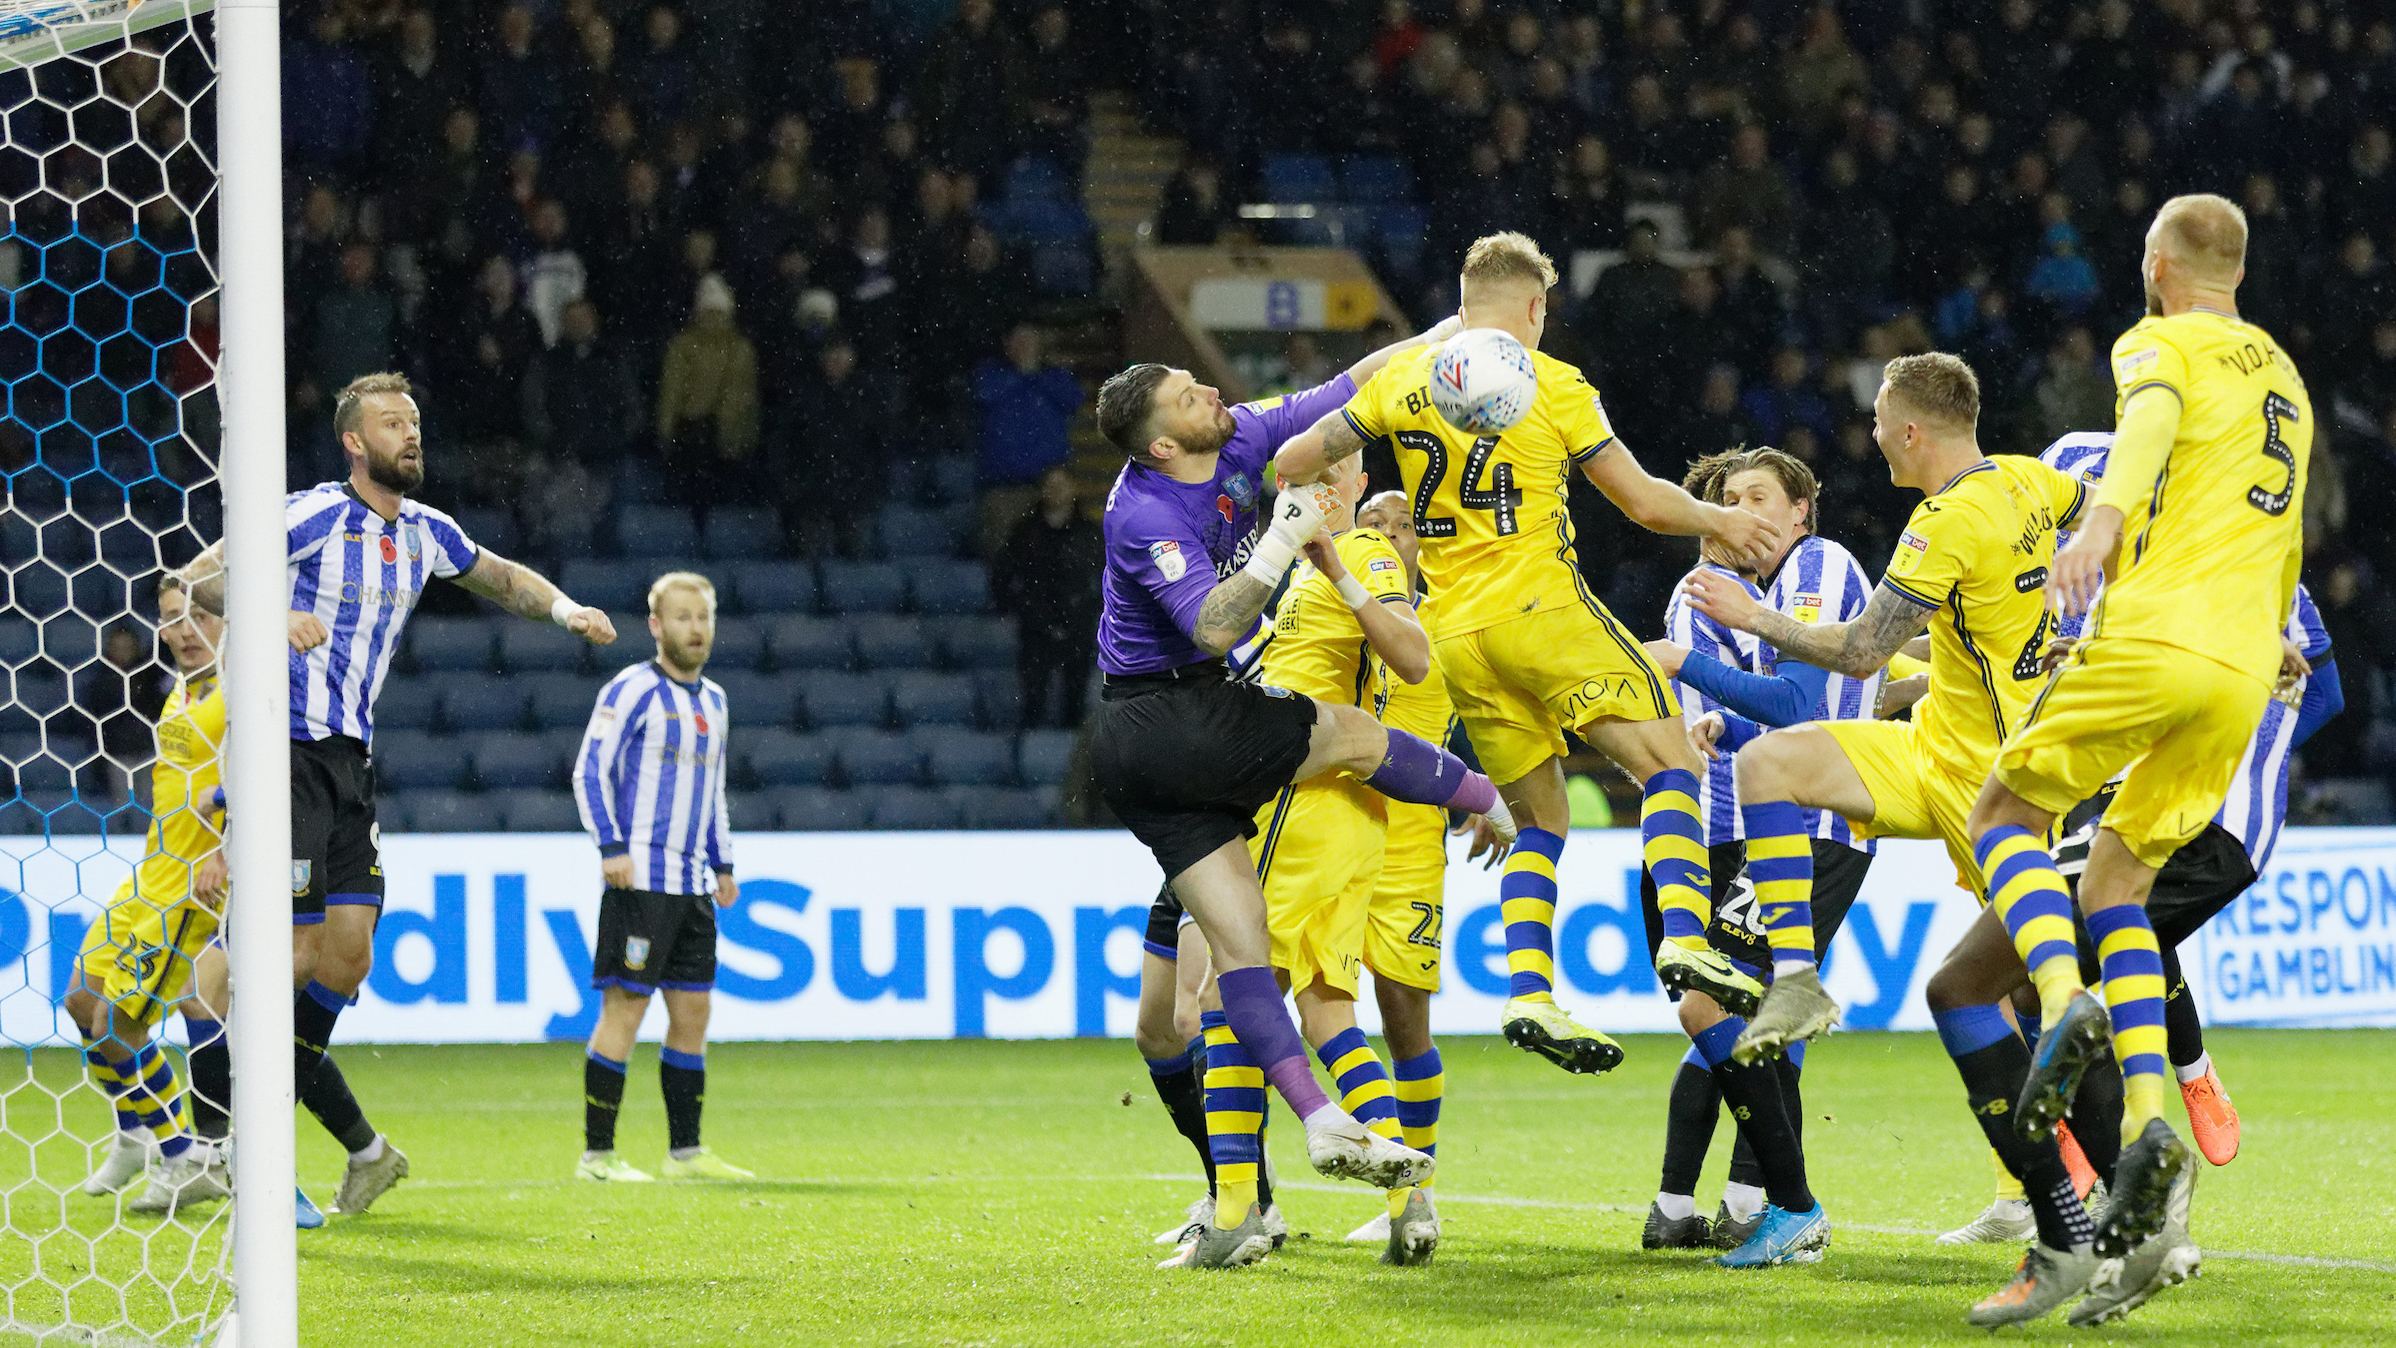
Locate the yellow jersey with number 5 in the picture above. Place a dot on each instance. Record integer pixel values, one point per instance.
(1976, 551)
(1315, 645)
(1497, 542)
(2208, 555)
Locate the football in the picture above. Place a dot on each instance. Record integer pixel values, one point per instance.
(1483, 382)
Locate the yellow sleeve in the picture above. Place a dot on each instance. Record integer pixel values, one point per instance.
(2142, 439)
(1367, 413)
(2067, 497)
(1580, 417)
(1903, 666)
(2144, 358)
(1374, 561)
(1931, 554)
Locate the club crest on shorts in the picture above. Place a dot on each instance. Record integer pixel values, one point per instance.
(1169, 559)
(301, 871)
(636, 951)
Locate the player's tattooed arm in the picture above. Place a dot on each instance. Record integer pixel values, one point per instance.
(1229, 612)
(1856, 649)
(1311, 453)
(528, 594)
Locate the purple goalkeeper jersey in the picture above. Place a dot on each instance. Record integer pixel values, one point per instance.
(1168, 542)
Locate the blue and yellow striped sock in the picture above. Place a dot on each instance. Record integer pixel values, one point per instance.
(1674, 843)
(2132, 964)
(1421, 1084)
(2028, 894)
(113, 1084)
(1235, 1112)
(156, 1093)
(1364, 1089)
(1527, 903)
(1780, 862)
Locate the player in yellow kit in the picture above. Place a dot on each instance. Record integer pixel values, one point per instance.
(2197, 534)
(1527, 650)
(141, 953)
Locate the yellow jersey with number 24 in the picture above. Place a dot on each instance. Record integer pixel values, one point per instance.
(1497, 542)
(1977, 552)
(2209, 555)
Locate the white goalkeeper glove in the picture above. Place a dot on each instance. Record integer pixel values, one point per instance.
(1297, 516)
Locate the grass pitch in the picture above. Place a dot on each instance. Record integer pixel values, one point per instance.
(1004, 1193)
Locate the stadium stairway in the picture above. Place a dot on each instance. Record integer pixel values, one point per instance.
(1127, 172)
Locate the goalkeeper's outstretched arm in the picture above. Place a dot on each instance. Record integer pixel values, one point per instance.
(528, 594)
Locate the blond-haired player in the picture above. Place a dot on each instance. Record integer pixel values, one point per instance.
(1528, 651)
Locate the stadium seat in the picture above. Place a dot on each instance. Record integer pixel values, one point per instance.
(886, 642)
(1401, 238)
(1003, 807)
(863, 587)
(834, 699)
(656, 531)
(813, 809)
(812, 643)
(536, 811)
(878, 758)
(408, 760)
(1035, 223)
(540, 648)
(741, 531)
(947, 589)
(759, 700)
(739, 644)
(1001, 696)
(449, 812)
(1375, 180)
(19, 819)
(407, 704)
(923, 698)
(490, 527)
(481, 702)
(959, 757)
(509, 762)
(908, 532)
(954, 480)
(1298, 179)
(617, 586)
(565, 746)
(752, 811)
(448, 645)
(43, 772)
(985, 642)
(1037, 178)
(905, 807)
(560, 701)
(1044, 756)
(70, 812)
(785, 758)
(1065, 270)
(773, 587)
(19, 641)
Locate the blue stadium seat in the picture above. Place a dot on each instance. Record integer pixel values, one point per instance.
(1376, 180)
(986, 642)
(561, 701)
(446, 645)
(786, 758)
(961, 757)
(752, 811)
(508, 762)
(407, 704)
(481, 702)
(1401, 237)
(992, 807)
(834, 699)
(907, 532)
(886, 642)
(863, 587)
(19, 819)
(617, 586)
(535, 811)
(19, 641)
(411, 761)
(490, 527)
(742, 531)
(946, 589)
(905, 807)
(565, 746)
(540, 648)
(1002, 698)
(954, 479)
(1297, 179)
(1034, 223)
(656, 531)
(1044, 756)
(813, 809)
(449, 812)
(1037, 178)
(759, 700)
(41, 772)
(1065, 270)
(774, 587)
(812, 643)
(878, 758)
(922, 698)
(739, 644)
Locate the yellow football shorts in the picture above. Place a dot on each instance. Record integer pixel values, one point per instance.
(1318, 851)
(1402, 920)
(1520, 685)
(2181, 720)
(1913, 795)
(138, 956)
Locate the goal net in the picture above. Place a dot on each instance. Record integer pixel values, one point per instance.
(109, 447)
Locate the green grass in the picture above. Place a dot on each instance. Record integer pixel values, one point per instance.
(1003, 1193)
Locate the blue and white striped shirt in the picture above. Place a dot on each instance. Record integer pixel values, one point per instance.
(1717, 796)
(650, 779)
(361, 575)
(1821, 582)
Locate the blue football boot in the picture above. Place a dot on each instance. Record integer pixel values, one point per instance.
(1783, 1237)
